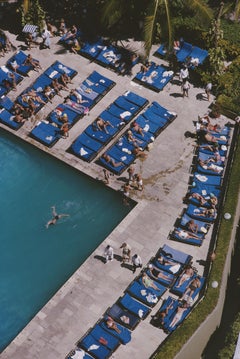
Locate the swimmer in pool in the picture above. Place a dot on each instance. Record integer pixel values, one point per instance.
(55, 217)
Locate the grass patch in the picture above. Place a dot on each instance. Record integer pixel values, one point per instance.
(177, 339)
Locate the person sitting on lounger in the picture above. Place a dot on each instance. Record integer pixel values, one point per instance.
(185, 234)
(132, 139)
(186, 275)
(210, 166)
(57, 86)
(48, 93)
(102, 124)
(10, 82)
(192, 287)
(65, 80)
(178, 316)
(138, 129)
(78, 96)
(198, 197)
(32, 62)
(192, 226)
(111, 161)
(55, 217)
(139, 153)
(19, 118)
(205, 212)
(32, 94)
(157, 273)
(148, 282)
(159, 317)
(112, 325)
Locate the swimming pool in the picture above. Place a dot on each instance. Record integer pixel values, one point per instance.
(35, 261)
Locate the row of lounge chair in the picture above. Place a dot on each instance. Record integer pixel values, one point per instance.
(91, 90)
(45, 79)
(185, 52)
(205, 188)
(136, 304)
(122, 60)
(102, 52)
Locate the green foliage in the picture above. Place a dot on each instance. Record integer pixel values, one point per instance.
(34, 16)
(231, 340)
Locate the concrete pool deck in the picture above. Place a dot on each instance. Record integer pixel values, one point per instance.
(95, 286)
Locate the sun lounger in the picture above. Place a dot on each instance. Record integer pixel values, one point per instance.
(123, 316)
(148, 296)
(45, 133)
(78, 354)
(134, 306)
(124, 335)
(85, 147)
(19, 57)
(209, 180)
(164, 277)
(7, 119)
(184, 52)
(198, 213)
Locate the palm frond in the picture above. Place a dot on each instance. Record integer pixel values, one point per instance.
(201, 8)
(237, 10)
(112, 12)
(149, 23)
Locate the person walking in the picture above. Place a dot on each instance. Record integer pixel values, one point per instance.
(136, 262)
(126, 252)
(208, 90)
(108, 253)
(185, 88)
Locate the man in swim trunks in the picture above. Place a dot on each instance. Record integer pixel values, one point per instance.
(55, 217)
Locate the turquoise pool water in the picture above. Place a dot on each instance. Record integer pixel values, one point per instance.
(35, 261)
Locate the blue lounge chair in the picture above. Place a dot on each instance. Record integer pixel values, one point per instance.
(209, 180)
(198, 53)
(205, 191)
(63, 69)
(7, 118)
(45, 133)
(123, 316)
(140, 101)
(124, 334)
(94, 347)
(148, 296)
(134, 306)
(164, 277)
(76, 353)
(184, 52)
(20, 58)
(85, 147)
(201, 214)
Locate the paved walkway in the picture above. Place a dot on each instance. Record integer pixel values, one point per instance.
(95, 286)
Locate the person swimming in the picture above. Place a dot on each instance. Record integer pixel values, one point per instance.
(55, 217)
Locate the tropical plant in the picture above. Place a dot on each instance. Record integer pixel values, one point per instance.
(156, 15)
(32, 13)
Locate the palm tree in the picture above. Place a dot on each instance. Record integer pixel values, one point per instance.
(198, 6)
(114, 10)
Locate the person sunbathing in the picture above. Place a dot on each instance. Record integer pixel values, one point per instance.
(148, 282)
(210, 166)
(78, 96)
(48, 93)
(162, 314)
(32, 62)
(205, 212)
(19, 118)
(192, 287)
(55, 217)
(139, 153)
(157, 273)
(112, 325)
(178, 316)
(132, 139)
(186, 235)
(32, 94)
(65, 80)
(10, 82)
(186, 275)
(111, 161)
(192, 226)
(57, 86)
(138, 129)
(198, 197)
(102, 124)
